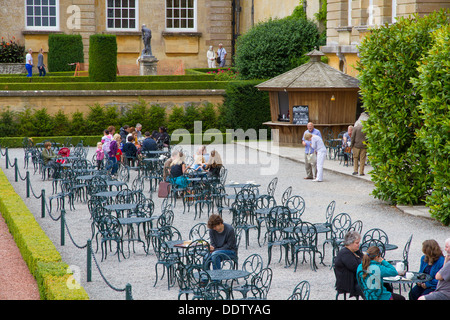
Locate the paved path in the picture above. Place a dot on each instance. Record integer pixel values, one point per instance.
(245, 163)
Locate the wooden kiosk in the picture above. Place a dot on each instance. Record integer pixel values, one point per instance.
(313, 92)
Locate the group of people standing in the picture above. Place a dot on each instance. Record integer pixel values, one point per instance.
(218, 57)
(316, 151)
(351, 263)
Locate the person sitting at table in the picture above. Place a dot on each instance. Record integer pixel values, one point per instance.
(199, 160)
(177, 169)
(442, 291)
(374, 264)
(222, 241)
(130, 151)
(49, 156)
(430, 263)
(163, 137)
(149, 144)
(168, 163)
(346, 263)
(214, 164)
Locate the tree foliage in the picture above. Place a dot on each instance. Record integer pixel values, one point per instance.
(389, 59)
(433, 84)
(274, 47)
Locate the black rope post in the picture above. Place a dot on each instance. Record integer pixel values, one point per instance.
(28, 184)
(89, 261)
(43, 203)
(16, 171)
(7, 157)
(63, 218)
(128, 292)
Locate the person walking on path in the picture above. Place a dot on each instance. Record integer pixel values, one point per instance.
(41, 65)
(310, 156)
(359, 149)
(29, 63)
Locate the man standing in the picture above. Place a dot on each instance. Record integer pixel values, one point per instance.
(29, 63)
(359, 149)
(320, 151)
(310, 156)
(222, 240)
(222, 54)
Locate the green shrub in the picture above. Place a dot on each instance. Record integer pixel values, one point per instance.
(389, 57)
(61, 124)
(274, 47)
(208, 116)
(64, 49)
(157, 117)
(245, 107)
(176, 119)
(8, 127)
(102, 58)
(43, 123)
(78, 124)
(96, 120)
(433, 84)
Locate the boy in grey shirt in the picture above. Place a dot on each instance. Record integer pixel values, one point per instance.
(222, 240)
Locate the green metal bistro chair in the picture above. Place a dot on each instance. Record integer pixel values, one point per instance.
(301, 291)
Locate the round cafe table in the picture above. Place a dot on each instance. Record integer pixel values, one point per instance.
(402, 280)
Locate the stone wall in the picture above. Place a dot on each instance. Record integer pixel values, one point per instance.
(12, 68)
(72, 101)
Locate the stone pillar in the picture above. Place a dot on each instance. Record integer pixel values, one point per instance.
(148, 66)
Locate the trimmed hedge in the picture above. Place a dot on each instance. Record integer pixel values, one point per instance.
(64, 49)
(179, 85)
(146, 79)
(102, 58)
(38, 252)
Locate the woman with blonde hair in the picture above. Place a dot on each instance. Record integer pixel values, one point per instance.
(430, 263)
(214, 164)
(374, 265)
(177, 169)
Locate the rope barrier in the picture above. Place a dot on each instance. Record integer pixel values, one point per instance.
(63, 224)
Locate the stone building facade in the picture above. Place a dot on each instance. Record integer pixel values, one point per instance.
(182, 30)
(349, 20)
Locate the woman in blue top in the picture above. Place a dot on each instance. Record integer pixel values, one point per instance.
(430, 263)
(373, 263)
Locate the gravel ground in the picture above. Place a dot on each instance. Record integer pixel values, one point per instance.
(352, 195)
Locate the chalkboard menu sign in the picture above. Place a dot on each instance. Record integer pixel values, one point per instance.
(300, 115)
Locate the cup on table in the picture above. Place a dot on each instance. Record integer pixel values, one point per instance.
(409, 275)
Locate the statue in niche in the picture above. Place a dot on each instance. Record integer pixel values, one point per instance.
(146, 37)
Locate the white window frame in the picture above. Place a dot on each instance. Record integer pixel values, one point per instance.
(136, 26)
(394, 11)
(180, 29)
(41, 28)
(370, 19)
(349, 12)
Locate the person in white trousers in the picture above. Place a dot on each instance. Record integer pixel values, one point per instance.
(321, 151)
